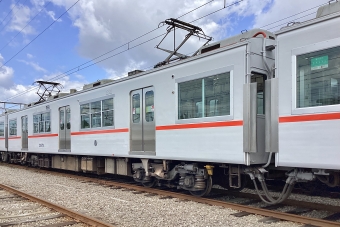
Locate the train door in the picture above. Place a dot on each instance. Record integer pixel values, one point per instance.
(254, 120)
(65, 128)
(142, 123)
(24, 133)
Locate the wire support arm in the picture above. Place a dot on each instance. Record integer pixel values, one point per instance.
(192, 30)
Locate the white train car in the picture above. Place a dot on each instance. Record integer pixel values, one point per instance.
(308, 66)
(241, 105)
(308, 70)
(197, 109)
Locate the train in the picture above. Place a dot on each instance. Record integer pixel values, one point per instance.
(246, 109)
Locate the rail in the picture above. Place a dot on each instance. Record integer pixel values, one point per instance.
(73, 214)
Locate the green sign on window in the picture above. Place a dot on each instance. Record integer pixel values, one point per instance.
(319, 62)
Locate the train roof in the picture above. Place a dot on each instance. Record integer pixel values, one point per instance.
(237, 38)
(324, 13)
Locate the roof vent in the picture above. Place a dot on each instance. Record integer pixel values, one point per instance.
(97, 83)
(134, 72)
(238, 38)
(210, 48)
(328, 9)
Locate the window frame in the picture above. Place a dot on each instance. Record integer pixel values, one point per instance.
(305, 50)
(42, 112)
(3, 122)
(101, 113)
(227, 69)
(9, 129)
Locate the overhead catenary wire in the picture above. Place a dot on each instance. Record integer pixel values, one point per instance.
(12, 17)
(286, 23)
(294, 15)
(78, 68)
(82, 66)
(25, 26)
(39, 34)
(10, 11)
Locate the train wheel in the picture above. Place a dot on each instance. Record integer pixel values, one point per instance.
(204, 192)
(151, 183)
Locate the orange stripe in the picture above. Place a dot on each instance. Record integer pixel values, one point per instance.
(311, 117)
(14, 137)
(2, 138)
(100, 131)
(201, 125)
(42, 135)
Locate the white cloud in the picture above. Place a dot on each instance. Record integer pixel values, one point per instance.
(103, 27)
(20, 17)
(131, 66)
(34, 65)
(52, 15)
(6, 75)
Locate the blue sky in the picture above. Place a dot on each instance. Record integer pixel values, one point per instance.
(93, 27)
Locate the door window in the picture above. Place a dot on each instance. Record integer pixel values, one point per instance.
(136, 108)
(62, 120)
(149, 106)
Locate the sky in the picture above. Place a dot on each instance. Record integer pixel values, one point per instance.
(76, 42)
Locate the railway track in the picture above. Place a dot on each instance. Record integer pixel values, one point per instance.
(244, 203)
(20, 208)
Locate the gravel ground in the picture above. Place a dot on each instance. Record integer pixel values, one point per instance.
(123, 208)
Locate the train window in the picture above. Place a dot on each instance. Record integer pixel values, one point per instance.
(190, 99)
(149, 106)
(2, 129)
(206, 97)
(318, 78)
(97, 114)
(35, 124)
(108, 112)
(42, 122)
(12, 127)
(85, 121)
(68, 118)
(62, 119)
(136, 108)
(217, 95)
(85, 116)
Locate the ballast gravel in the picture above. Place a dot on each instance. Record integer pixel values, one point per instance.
(123, 208)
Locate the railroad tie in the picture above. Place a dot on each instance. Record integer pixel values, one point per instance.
(332, 217)
(241, 214)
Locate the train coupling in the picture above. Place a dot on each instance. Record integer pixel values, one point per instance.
(298, 175)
